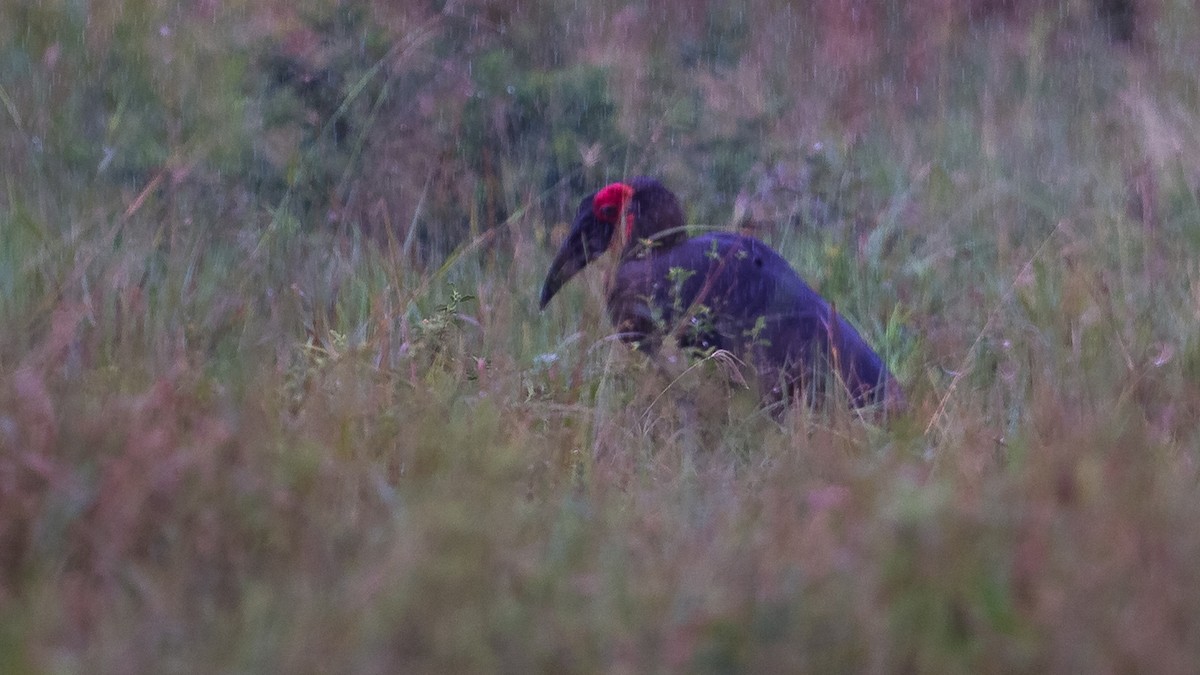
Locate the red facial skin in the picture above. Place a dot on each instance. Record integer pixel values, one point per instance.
(610, 205)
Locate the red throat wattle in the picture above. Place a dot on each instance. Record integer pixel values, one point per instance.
(610, 204)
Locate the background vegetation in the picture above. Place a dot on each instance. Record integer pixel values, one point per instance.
(275, 395)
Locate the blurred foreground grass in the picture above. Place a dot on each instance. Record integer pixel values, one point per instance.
(275, 396)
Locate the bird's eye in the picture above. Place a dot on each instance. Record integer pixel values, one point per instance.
(608, 212)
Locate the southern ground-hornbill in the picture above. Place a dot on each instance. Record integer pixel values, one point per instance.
(716, 291)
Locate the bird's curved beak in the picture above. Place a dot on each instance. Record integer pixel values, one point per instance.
(587, 240)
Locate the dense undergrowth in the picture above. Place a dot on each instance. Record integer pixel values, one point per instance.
(275, 394)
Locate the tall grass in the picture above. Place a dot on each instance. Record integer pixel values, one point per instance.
(275, 394)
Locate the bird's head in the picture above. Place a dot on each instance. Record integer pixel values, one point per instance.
(613, 217)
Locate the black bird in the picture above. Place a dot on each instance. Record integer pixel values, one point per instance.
(716, 291)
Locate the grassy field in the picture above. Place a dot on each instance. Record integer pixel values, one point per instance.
(275, 395)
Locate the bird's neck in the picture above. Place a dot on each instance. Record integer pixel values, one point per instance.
(653, 245)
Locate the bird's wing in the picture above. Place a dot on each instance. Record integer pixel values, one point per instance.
(726, 291)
